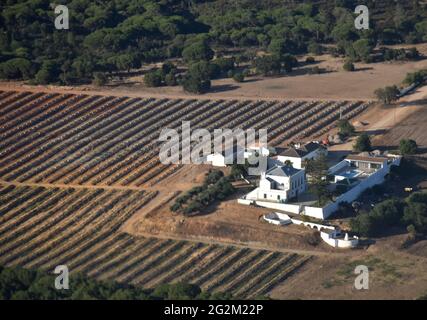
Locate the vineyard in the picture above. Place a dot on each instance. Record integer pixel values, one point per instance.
(74, 168)
(107, 141)
(41, 228)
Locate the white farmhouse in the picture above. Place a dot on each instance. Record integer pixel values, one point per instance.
(299, 153)
(281, 183)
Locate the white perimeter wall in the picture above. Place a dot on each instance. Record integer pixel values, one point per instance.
(292, 208)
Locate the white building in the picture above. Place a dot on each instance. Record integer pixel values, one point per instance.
(226, 158)
(352, 176)
(299, 153)
(279, 184)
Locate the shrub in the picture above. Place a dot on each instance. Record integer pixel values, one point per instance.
(196, 85)
(170, 80)
(363, 225)
(346, 129)
(153, 79)
(310, 60)
(407, 147)
(99, 79)
(238, 77)
(315, 70)
(312, 238)
(349, 66)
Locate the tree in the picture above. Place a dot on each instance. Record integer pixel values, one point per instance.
(268, 65)
(197, 51)
(48, 73)
(18, 68)
(388, 94)
(363, 49)
(346, 129)
(415, 213)
(224, 64)
(153, 79)
(213, 176)
(363, 225)
(407, 147)
(363, 143)
(349, 66)
(388, 212)
(415, 77)
(237, 171)
(317, 169)
(289, 62)
(277, 47)
(238, 77)
(315, 48)
(196, 85)
(99, 79)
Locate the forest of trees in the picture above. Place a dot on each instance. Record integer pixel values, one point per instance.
(22, 284)
(119, 35)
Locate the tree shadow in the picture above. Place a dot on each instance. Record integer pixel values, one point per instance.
(308, 71)
(375, 132)
(414, 103)
(363, 69)
(223, 88)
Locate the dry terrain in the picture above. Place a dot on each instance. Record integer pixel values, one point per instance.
(333, 84)
(387, 125)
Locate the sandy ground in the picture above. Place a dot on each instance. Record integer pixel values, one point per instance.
(404, 120)
(393, 274)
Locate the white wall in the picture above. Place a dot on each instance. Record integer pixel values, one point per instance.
(217, 160)
(314, 212)
(292, 208)
(338, 166)
(376, 178)
(339, 243)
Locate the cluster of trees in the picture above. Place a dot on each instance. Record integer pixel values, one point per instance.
(22, 284)
(199, 74)
(417, 77)
(410, 213)
(215, 187)
(388, 94)
(256, 23)
(104, 36)
(167, 75)
(275, 64)
(117, 35)
(389, 54)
